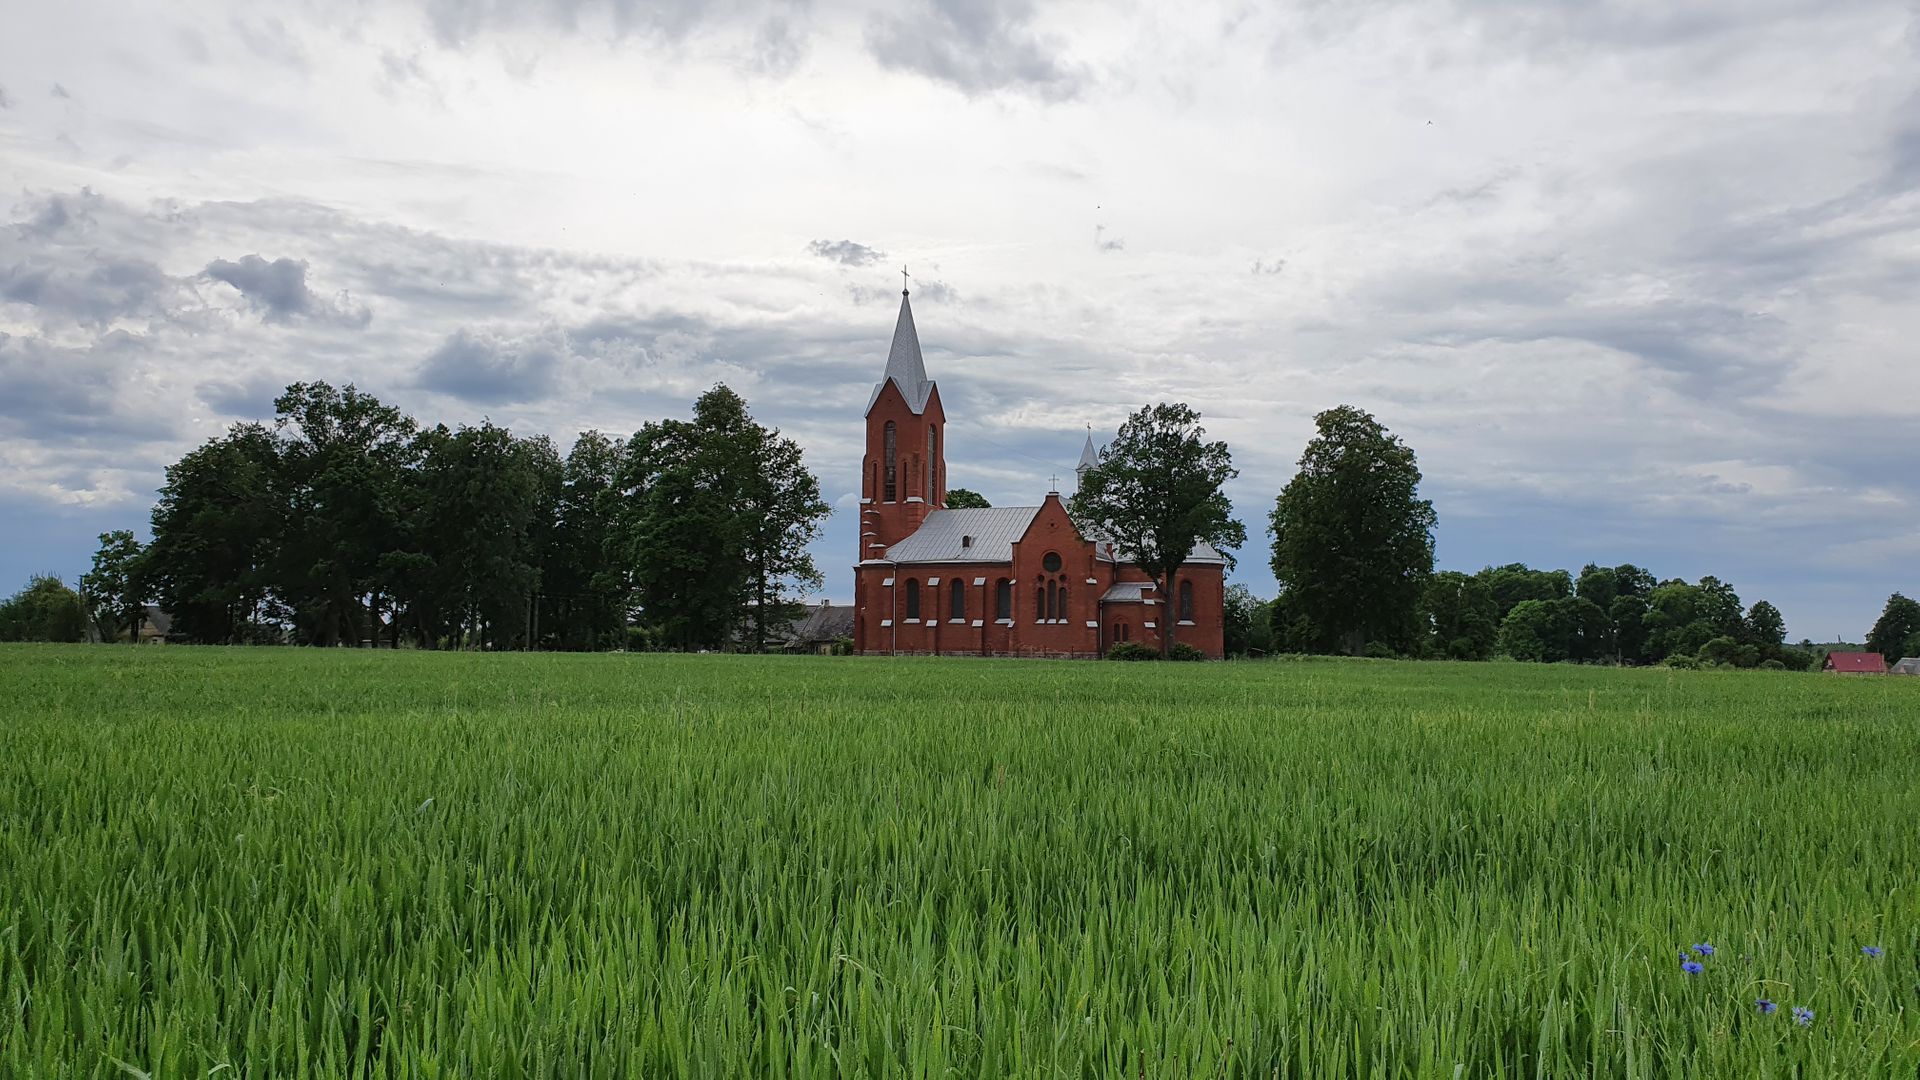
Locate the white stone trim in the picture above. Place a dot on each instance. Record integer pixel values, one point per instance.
(886, 622)
(976, 622)
(866, 502)
(1186, 622)
(916, 622)
(1093, 581)
(962, 621)
(1093, 624)
(932, 581)
(979, 581)
(1003, 622)
(888, 582)
(1148, 625)
(915, 498)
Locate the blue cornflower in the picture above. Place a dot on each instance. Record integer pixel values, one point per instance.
(1766, 1007)
(1872, 951)
(1802, 1015)
(1703, 949)
(1692, 967)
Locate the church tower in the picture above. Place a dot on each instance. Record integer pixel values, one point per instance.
(904, 474)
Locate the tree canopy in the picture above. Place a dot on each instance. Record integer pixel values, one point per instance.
(1896, 633)
(1157, 492)
(1352, 539)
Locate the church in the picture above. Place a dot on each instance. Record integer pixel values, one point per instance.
(1006, 581)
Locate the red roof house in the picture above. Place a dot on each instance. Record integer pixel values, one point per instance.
(1855, 663)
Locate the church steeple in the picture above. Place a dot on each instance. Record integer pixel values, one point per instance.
(1089, 458)
(905, 367)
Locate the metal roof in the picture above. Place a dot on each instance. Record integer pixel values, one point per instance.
(1869, 663)
(939, 539)
(905, 367)
(1906, 666)
(1126, 592)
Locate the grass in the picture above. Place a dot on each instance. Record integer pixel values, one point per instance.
(330, 863)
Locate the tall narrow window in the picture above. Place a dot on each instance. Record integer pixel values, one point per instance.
(913, 598)
(933, 455)
(873, 479)
(958, 608)
(893, 472)
(1053, 600)
(1039, 603)
(1186, 601)
(1063, 602)
(1003, 600)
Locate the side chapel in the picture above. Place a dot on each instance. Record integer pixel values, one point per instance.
(1006, 581)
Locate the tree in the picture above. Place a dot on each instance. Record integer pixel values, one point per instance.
(114, 593)
(46, 610)
(966, 499)
(1896, 633)
(782, 512)
(215, 530)
(343, 458)
(587, 588)
(1156, 493)
(1248, 630)
(1514, 582)
(1352, 539)
(1459, 616)
(1536, 630)
(484, 497)
(1765, 630)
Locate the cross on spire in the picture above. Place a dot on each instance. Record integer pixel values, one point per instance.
(1055, 481)
(903, 279)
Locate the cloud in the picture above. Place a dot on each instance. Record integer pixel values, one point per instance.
(5, 101)
(55, 395)
(1268, 266)
(846, 252)
(278, 290)
(926, 290)
(61, 92)
(1103, 242)
(975, 46)
(488, 368)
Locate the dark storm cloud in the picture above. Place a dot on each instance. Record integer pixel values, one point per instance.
(846, 252)
(488, 369)
(57, 395)
(278, 290)
(976, 46)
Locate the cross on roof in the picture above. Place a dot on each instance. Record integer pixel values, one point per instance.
(1055, 481)
(903, 279)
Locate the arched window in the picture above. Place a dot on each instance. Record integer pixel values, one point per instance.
(1062, 611)
(1053, 600)
(873, 479)
(913, 598)
(1003, 600)
(893, 472)
(958, 609)
(1186, 601)
(1039, 603)
(933, 455)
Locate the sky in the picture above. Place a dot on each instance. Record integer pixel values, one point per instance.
(1637, 281)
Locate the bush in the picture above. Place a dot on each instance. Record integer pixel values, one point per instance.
(1183, 651)
(842, 646)
(1772, 665)
(1380, 650)
(1133, 650)
(46, 610)
(1681, 662)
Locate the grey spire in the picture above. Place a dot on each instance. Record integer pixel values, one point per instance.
(1089, 458)
(904, 364)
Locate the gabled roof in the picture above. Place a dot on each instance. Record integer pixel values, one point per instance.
(905, 368)
(1126, 592)
(940, 537)
(1907, 666)
(1864, 663)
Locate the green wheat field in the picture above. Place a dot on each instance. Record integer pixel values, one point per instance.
(285, 863)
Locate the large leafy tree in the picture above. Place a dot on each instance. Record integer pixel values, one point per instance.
(114, 589)
(1352, 539)
(1459, 616)
(966, 499)
(586, 586)
(1896, 633)
(215, 530)
(344, 456)
(46, 610)
(718, 513)
(1156, 493)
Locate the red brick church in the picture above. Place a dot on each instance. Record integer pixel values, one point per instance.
(1009, 581)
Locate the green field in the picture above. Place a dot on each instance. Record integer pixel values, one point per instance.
(334, 863)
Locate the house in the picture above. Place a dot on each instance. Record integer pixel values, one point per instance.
(816, 630)
(1005, 581)
(1855, 663)
(1908, 666)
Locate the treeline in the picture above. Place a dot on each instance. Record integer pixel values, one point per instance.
(347, 522)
